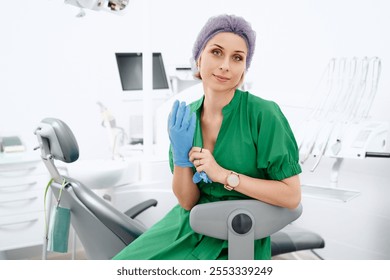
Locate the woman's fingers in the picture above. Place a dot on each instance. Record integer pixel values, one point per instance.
(196, 154)
(172, 115)
(201, 158)
(181, 113)
(186, 118)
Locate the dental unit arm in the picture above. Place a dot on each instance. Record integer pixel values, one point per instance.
(116, 134)
(97, 5)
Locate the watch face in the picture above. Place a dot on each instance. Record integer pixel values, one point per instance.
(233, 180)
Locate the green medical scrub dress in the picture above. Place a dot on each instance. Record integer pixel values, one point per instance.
(255, 139)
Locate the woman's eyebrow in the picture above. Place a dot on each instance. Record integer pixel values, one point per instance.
(218, 46)
(237, 51)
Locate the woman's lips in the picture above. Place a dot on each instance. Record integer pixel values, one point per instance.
(221, 78)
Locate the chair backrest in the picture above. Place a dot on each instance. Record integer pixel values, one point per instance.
(101, 228)
(241, 222)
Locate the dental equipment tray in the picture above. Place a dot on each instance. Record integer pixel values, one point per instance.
(329, 193)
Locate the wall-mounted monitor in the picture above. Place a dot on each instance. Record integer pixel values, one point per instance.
(130, 72)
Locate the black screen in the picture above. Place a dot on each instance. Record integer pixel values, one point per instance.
(130, 71)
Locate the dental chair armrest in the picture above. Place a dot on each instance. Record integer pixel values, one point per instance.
(241, 222)
(213, 219)
(141, 207)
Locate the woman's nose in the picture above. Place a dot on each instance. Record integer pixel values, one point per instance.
(224, 65)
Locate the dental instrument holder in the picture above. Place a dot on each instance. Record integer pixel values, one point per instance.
(343, 128)
(354, 147)
(334, 175)
(241, 223)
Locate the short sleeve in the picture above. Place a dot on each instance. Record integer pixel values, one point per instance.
(278, 155)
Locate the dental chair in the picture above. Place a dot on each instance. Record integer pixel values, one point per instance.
(102, 229)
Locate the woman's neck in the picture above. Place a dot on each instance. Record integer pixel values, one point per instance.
(214, 102)
(211, 116)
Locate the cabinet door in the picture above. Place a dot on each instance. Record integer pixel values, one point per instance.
(18, 231)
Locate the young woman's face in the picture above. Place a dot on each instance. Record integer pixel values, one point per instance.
(223, 61)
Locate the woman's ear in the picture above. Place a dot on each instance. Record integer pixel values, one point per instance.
(197, 70)
(198, 62)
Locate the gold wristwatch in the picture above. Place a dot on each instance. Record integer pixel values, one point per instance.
(232, 181)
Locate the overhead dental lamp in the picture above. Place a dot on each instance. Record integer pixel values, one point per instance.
(98, 5)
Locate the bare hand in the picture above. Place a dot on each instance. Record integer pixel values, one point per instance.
(204, 160)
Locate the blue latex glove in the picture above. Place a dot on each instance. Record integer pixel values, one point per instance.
(201, 176)
(181, 129)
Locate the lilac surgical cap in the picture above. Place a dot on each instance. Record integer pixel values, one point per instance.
(226, 23)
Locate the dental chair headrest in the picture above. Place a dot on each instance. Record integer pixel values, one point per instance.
(57, 139)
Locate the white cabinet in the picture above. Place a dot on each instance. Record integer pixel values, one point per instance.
(23, 179)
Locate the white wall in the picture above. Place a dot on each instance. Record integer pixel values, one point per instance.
(54, 64)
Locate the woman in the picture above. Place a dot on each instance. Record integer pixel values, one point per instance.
(228, 145)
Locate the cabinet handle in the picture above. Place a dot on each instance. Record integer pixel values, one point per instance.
(18, 200)
(18, 223)
(19, 185)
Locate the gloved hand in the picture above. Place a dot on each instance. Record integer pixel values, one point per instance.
(201, 176)
(181, 129)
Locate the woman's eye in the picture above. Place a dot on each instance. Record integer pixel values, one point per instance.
(237, 58)
(217, 52)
